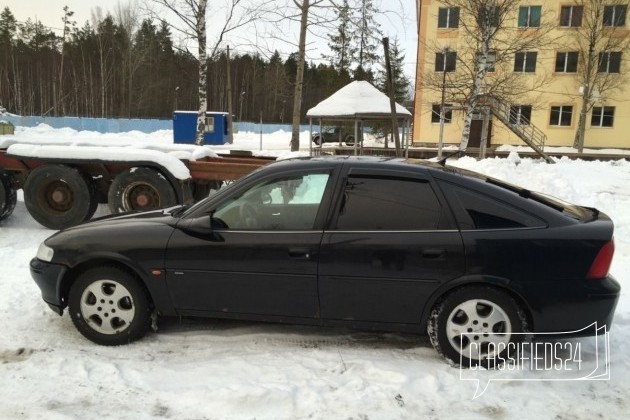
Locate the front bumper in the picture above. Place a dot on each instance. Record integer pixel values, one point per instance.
(48, 277)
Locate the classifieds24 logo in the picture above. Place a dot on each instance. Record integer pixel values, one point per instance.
(557, 356)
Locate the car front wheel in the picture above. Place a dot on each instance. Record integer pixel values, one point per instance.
(476, 326)
(109, 307)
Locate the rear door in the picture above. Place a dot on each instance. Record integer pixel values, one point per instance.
(391, 243)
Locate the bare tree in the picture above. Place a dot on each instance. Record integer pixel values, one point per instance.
(491, 40)
(192, 16)
(601, 42)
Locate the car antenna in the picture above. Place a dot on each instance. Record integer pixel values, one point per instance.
(442, 161)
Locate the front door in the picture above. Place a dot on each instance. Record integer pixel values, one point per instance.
(476, 131)
(260, 255)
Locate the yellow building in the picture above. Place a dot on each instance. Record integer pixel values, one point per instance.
(552, 74)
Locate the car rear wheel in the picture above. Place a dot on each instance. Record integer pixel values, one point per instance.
(475, 326)
(317, 140)
(8, 196)
(109, 307)
(349, 140)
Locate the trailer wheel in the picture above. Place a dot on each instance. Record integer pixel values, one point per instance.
(57, 196)
(140, 189)
(8, 196)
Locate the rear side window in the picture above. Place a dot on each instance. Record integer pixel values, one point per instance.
(379, 203)
(479, 211)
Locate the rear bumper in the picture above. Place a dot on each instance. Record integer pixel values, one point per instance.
(570, 310)
(48, 277)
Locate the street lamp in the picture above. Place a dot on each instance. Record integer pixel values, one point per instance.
(445, 51)
(240, 112)
(176, 94)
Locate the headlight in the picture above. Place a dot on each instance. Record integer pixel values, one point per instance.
(45, 253)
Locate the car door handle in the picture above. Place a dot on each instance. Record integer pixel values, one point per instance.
(304, 253)
(434, 253)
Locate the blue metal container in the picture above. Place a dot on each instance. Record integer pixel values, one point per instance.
(185, 127)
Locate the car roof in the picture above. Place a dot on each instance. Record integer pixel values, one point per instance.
(376, 161)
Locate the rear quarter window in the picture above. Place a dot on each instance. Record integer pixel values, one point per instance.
(477, 211)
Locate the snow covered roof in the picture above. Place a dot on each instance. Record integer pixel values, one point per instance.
(357, 99)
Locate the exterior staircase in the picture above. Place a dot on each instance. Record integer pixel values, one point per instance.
(530, 134)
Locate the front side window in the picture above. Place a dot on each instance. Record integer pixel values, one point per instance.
(609, 62)
(603, 116)
(520, 114)
(525, 62)
(566, 62)
(529, 16)
(435, 113)
(615, 15)
(561, 115)
(448, 17)
(373, 203)
(285, 203)
(571, 16)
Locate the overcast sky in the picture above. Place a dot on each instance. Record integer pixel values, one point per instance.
(50, 12)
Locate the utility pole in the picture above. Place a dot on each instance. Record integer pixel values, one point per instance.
(442, 110)
(392, 102)
(229, 98)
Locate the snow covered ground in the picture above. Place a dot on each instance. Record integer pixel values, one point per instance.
(220, 369)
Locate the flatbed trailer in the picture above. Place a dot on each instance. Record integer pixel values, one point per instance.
(60, 191)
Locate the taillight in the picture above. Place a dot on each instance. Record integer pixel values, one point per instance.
(601, 263)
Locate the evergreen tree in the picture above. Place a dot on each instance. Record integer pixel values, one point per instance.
(369, 34)
(400, 81)
(343, 43)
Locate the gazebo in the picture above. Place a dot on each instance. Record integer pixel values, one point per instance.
(359, 101)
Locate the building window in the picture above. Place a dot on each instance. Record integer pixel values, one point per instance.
(603, 116)
(448, 17)
(571, 16)
(490, 60)
(520, 114)
(561, 115)
(488, 16)
(566, 62)
(609, 62)
(525, 62)
(445, 61)
(435, 113)
(529, 16)
(615, 15)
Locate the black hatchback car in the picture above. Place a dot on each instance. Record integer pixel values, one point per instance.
(387, 244)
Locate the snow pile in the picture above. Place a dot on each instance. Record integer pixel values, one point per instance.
(220, 369)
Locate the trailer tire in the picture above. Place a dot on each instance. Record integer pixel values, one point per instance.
(140, 189)
(8, 195)
(58, 196)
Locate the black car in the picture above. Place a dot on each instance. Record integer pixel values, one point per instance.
(334, 135)
(387, 244)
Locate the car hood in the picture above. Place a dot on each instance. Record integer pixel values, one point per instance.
(129, 228)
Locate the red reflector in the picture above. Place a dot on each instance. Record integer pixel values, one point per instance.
(601, 263)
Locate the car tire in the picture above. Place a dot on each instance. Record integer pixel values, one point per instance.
(58, 196)
(8, 195)
(491, 319)
(317, 140)
(109, 306)
(140, 189)
(349, 140)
